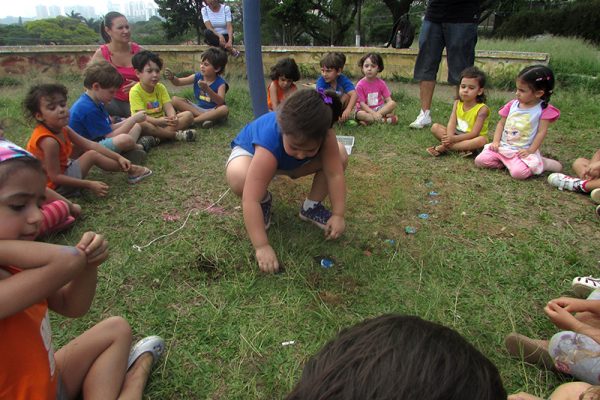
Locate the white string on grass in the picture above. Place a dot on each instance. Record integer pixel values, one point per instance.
(139, 248)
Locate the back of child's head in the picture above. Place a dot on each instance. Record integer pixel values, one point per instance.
(102, 73)
(307, 114)
(475, 73)
(13, 158)
(375, 59)
(141, 59)
(107, 22)
(285, 67)
(399, 357)
(51, 91)
(334, 60)
(216, 57)
(539, 77)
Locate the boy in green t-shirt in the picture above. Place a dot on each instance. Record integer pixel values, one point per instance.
(151, 97)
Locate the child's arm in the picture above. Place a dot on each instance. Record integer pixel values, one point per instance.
(539, 138)
(351, 105)
(273, 94)
(497, 135)
(51, 164)
(46, 268)
(127, 124)
(87, 144)
(561, 316)
(336, 184)
(449, 136)
(74, 299)
(188, 80)
(592, 171)
(262, 169)
(217, 97)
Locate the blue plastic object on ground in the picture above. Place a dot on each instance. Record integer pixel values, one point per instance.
(326, 263)
(423, 216)
(410, 230)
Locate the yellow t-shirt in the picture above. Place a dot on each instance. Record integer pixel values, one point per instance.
(466, 120)
(151, 103)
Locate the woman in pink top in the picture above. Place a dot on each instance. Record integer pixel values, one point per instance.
(118, 50)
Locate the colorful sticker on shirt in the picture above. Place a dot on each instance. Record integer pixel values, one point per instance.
(153, 107)
(46, 334)
(373, 99)
(516, 130)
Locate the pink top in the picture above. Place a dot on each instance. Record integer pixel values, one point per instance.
(372, 93)
(128, 73)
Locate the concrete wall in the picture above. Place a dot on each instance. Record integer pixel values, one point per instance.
(57, 60)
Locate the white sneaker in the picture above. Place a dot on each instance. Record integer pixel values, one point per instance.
(422, 120)
(564, 182)
(595, 196)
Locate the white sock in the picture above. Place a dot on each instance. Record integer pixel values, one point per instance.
(309, 204)
(425, 112)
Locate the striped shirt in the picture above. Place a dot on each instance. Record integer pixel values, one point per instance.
(218, 19)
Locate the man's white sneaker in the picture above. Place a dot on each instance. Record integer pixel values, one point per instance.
(422, 120)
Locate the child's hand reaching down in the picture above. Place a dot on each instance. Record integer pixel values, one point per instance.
(100, 189)
(267, 260)
(560, 317)
(335, 227)
(95, 248)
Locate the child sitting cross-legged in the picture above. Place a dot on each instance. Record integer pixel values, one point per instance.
(375, 102)
(283, 75)
(152, 97)
(586, 181)
(468, 124)
(52, 143)
(38, 277)
(332, 66)
(89, 118)
(209, 89)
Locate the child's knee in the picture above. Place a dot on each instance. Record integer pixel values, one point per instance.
(118, 327)
(580, 163)
(520, 173)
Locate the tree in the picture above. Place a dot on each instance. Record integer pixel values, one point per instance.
(61, 30)
(180, 17)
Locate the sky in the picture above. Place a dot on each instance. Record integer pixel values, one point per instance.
(26, 8)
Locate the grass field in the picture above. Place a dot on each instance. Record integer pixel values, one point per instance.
(492, 253)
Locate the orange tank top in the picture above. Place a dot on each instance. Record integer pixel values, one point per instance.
(64, 143)
(27, 367)
(280, 95)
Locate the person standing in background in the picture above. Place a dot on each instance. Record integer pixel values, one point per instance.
(451, 24)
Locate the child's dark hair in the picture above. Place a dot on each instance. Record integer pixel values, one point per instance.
(285, 67)
(308, 113)
(141, 59)
(107, 21)
(334, 59)
(217, 58)
(399, 357)
(34, 95)
(539, 77)
(375, 59)
(474, 73)
(7, 168)
(103, 73)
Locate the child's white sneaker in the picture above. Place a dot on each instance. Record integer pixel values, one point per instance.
(188, 135)
(422, 120)
(584, 285)
(595, 196)
(566, 182)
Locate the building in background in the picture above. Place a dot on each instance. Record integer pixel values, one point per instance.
(41, 11)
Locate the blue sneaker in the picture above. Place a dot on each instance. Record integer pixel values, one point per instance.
(266, 210)
(318, 215)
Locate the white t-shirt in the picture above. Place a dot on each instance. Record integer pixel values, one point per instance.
(218, 19)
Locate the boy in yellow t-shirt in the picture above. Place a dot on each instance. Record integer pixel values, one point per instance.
(151, 97)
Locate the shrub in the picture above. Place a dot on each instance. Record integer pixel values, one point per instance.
(579, 18)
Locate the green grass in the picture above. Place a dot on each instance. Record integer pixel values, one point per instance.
(575, 62)
(492, 253)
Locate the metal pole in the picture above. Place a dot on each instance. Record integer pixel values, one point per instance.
(253, 54)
